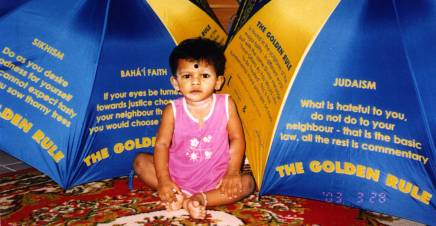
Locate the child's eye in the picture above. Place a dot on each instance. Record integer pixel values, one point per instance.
(185, 76)
(205, 75)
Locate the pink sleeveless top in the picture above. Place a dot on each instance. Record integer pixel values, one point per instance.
(198, 156)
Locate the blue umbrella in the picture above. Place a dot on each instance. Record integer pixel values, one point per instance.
(338, 101)
(83, 83)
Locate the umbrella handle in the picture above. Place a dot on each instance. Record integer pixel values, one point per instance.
(130, 182)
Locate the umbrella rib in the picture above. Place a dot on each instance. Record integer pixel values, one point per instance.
(73, 176)
(415, 86)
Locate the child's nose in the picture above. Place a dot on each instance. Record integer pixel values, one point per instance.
(196, 80)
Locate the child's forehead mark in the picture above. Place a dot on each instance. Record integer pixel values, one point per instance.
(195, 65)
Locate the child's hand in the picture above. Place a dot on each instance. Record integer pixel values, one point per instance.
(167, 191)
(231, 185)
(176, 205)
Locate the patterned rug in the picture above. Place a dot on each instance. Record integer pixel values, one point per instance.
(31, 198)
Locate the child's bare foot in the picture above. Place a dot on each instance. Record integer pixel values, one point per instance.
(196, 206)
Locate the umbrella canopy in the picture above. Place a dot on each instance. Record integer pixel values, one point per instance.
(83, 83)
(338, 101)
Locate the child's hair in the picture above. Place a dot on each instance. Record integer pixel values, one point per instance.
(199, 49)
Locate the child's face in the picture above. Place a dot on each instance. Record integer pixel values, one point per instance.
(196, 80)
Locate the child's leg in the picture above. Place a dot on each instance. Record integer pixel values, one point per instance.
(216, 198)
(144, 167)
(143, 164)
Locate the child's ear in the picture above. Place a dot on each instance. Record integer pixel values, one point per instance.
(219, 82)
(174, 82)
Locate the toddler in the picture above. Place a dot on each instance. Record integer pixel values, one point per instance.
(200, 142)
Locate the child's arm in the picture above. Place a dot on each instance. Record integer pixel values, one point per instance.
(231, 183)
(166, 187)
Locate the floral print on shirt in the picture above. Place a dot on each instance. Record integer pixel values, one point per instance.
(200, 149)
